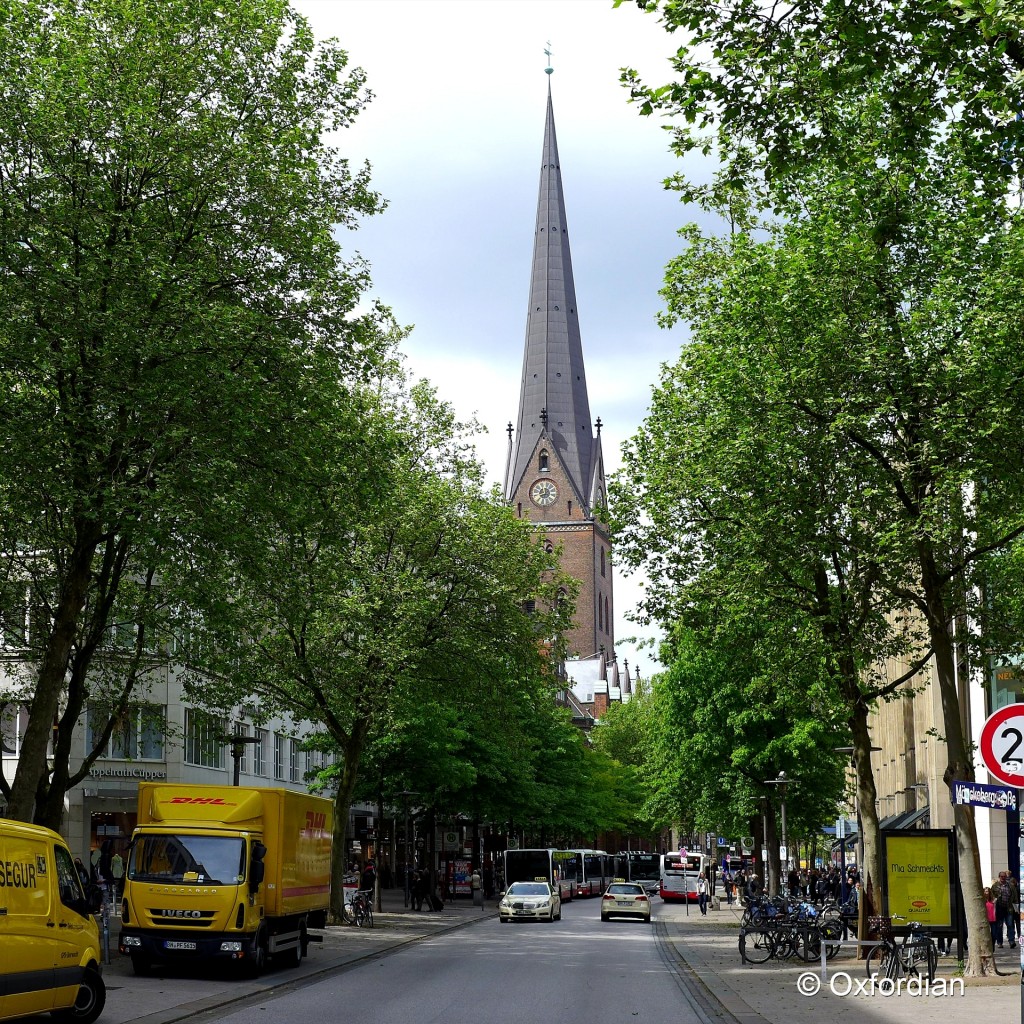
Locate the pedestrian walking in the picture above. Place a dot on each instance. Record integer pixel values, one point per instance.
(990, 913)
(702, 894)
(1014, 919)
(476, 884)
(116, 874)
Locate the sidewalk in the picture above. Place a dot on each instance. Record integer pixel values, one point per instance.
(180, 991)
(773, 993)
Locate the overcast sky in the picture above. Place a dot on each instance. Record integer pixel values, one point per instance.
(454, 137)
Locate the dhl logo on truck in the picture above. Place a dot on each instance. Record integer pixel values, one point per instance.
(220, 801)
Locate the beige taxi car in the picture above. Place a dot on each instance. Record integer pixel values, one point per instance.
(625, 899)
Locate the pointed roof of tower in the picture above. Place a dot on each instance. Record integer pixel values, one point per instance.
(553, 400)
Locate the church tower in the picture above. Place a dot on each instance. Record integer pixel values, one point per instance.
(555, 471)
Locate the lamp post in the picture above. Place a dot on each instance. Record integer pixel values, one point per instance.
(406, 795)
(238, 742)
(782, 781)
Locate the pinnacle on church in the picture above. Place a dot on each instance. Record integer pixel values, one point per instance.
(553, 400)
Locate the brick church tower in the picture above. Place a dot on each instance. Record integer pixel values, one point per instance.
(555, 471)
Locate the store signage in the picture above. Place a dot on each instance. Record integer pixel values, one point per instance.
(977, 794)
(918, 877)
(147, 774)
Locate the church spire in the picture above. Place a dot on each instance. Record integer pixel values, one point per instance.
(553, 400)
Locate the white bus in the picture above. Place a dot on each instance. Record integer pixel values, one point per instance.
(679, 873)
(557, 867)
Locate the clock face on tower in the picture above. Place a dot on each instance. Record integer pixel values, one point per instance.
(543, 493)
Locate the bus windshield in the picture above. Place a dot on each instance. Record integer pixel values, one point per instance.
(201, 860)
(644, 867)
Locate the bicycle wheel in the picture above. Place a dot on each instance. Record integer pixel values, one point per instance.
(348, 912)
(810, 942)
(831, 934)
(368, 915)
(924, 958)
(883, 962)
(756, 946)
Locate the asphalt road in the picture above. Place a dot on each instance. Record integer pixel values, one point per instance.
(574, 971)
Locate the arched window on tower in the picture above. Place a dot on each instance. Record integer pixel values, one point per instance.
(600, 615)
(607, 618)
(542, 461)
(549, 547)
(602, 561)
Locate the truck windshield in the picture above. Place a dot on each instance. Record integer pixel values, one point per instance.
(202, 860)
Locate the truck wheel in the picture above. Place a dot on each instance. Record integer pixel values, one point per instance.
(92, 996)
(294, 957)
(258, 961)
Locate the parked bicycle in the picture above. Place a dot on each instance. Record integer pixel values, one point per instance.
(914, 955)
(358, 908)
(785, 929)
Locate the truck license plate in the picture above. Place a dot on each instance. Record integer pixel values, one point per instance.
(178, 944)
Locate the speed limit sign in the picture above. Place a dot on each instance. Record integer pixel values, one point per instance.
(1002, 745)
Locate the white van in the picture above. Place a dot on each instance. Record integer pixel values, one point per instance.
(49, 942)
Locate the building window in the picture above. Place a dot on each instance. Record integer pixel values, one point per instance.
(607, 618)
(279, 744)
(259, 753)
(138, 734)
(549, 547)
(543, 462)
(294, 771)
(600, 615)
(13, 723)
(204, 742)
(602, 561)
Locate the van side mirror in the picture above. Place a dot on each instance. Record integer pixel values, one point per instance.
(257, 869)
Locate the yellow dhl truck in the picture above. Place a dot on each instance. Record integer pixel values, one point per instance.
(49, 941)
(222, 872)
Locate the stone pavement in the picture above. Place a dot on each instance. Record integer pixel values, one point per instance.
(717, 984)
(708, 949)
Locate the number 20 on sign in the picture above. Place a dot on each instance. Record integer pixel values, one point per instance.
(1002, 745)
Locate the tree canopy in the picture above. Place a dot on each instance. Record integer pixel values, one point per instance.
(173, 289)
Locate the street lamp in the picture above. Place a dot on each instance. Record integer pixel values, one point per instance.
(238, 742)
(406, 795)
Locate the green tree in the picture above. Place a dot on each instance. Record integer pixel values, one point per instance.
(766, 87)
(628, 733)
(903, 118)
(889, 345)
(352, 614)
(172, 289)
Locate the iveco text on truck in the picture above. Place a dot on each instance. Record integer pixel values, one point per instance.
(235, 873)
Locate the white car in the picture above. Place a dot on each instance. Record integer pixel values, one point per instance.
(530, 901)
(625, 899)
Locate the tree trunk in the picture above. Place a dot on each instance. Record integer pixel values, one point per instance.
(352, 751)
(959, 768)
(32, 774)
